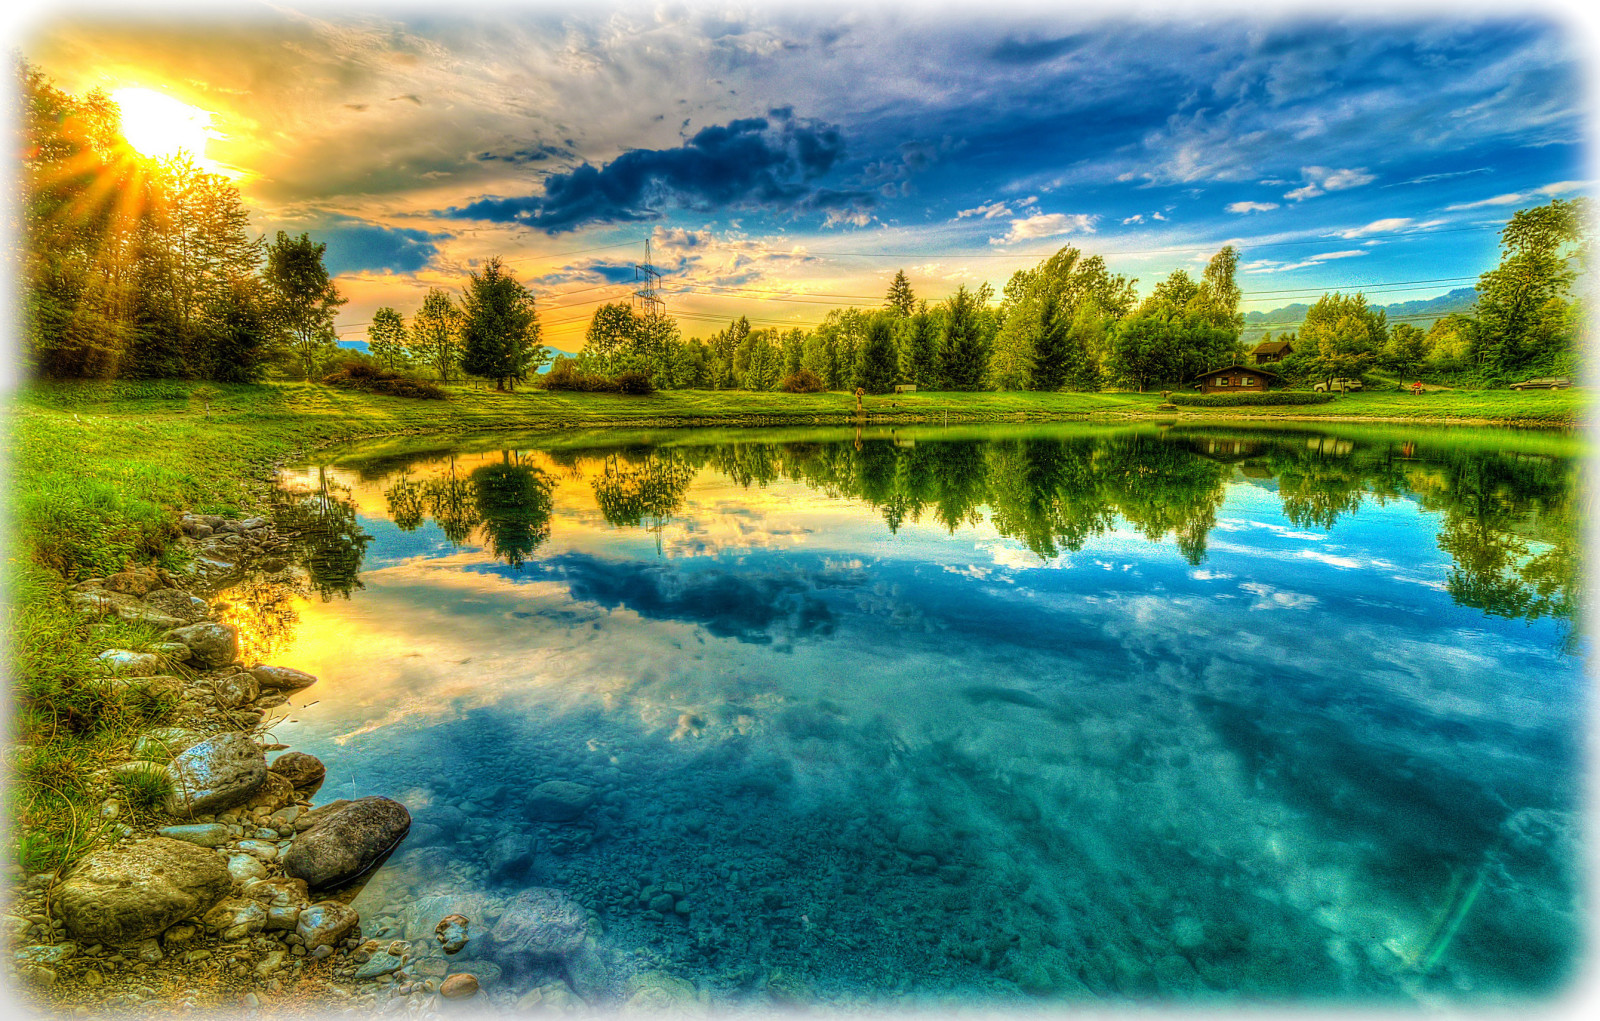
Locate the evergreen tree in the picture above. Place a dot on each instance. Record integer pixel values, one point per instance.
(1053, 358)
(877, 364)
(919, 349)
(961, 356)
(499, 327)
(764, 363)
(900, 300)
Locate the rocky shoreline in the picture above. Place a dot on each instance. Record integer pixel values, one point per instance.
(234, 894)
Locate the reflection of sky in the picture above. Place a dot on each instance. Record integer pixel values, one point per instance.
(1323, 674)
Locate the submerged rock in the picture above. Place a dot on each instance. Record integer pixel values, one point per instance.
(540, 923)
(216, 774)
(451, 932)
(559, 800)
(346, 841)
(281, 678)
(304, 772)
(656, 992)
(509, 855)
(213, 645)
(130, 892)
(458, 987)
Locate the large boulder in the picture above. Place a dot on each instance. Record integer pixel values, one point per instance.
(235, 691)
(325, 923)
(346, 841)
(281, 678)
(559, 800)
(216, 774)
(304, 772)
(137, 890)
(213, 645)
(539, 923)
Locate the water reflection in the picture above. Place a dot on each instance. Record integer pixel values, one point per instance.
(1042, 712)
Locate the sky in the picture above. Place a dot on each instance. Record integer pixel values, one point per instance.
(785, 159)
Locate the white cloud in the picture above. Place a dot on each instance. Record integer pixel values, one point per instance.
(1251, 207)
(1269, 266)
(988, 211)
(1157, 216)
(1046, 225)
(1269, 598)
(1384, 226)
(1135, 218)
(1512, 198)
(1326, 179)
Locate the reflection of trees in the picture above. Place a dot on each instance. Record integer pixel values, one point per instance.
(324, 536)
(514, 502)
(630, 494)
(1159, 487)
(408, 503)
(262, 607)
(452, 500)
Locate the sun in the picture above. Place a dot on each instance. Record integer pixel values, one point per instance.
(159, 126)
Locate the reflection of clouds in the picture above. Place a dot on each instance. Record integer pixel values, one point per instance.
(1288, 533)
(1269, 598)
(1203, 574)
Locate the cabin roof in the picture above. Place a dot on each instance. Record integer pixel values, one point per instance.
(1270, 347)
(1253, 369)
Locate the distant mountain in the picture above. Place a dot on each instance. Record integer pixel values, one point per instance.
(1420, 313)
(553, 352)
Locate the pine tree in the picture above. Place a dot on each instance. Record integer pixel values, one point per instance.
(900, 300)
(961, 355)
(764, 365)
(877, 365)
(919, 349)
(1052, 356)
(500, 326)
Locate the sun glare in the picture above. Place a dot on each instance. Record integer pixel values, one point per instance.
(159, 126)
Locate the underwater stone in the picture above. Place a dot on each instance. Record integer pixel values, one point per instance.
(451, 933)
(540, 923)
(559, 800)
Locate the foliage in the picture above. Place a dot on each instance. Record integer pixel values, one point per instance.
(900, 300)
(362, 376)
(499, 326)
(962, 358)
(631, 382)
(803, 381)
(514, 503)
(303, 297)
(878, 365)
(386, 337)
(1524, 309)
(917, 338)
(435, 338)
(1249, 399)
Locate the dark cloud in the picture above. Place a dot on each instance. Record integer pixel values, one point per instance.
(409, 96)
(755, 162)
(531, 154)
(612, 272)
(355, 246)
(1019, 51)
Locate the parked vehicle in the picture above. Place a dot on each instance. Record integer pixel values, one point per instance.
(1543, 383)
(1342, 385)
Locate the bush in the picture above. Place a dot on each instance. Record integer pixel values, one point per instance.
(362, 375)
(1237, 400)
(565, 375)
(803, 382)
(635, 383)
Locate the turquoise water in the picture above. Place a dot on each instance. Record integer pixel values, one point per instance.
(967, 716)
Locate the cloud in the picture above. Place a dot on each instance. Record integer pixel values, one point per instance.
(1046, 225)
(356, 246)
(1512, 198)
(988, 211)
(1324, 179)
(1270, 598)
(1135, 218)
(526, 154)
(1271, 266)
(751, 163)
(1251, 207)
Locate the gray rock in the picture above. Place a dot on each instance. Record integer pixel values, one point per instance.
(382, 963)
(540, 923)
(324, 924)
(178, 603)
(235, 691)
(587, 974)
(656, 992)
(47, 954)
(165, 742)
(246, 867)
(133, 891)
(148, 950)
(262, 849)
(509, 855)
(281, 678)
(141, 614)
(129, 663)
(206, 834)
(213, 645)
(216, 774)
(344, 843)
(304, 772)
(559, 800)
(284, 899)
(235, 918)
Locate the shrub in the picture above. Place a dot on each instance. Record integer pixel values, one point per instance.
(803, 382)
(1237, 400)
(634, 383)
(359, 375)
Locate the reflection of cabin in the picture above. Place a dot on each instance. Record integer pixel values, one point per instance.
(1236, 378)
(1269, 351)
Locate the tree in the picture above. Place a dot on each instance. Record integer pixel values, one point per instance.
(386, 337)
(962, 360)
(1406, 349)
(763, 363)
(1341, 336)
(499, 326)
(918, 342)
(614, 333)
(900, 300)
(1218, 299)
(1523, 309)
(878, 366)
(1146, 348)
(304, 299)
(435, 338)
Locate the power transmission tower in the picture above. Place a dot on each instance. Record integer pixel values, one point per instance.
(647, 299)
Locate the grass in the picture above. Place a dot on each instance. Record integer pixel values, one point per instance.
(99, 471)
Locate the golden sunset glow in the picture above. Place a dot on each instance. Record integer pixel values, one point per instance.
(161, 127)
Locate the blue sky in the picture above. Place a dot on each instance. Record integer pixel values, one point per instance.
(802, 154)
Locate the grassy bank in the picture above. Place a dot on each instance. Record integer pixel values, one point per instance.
(99, 470)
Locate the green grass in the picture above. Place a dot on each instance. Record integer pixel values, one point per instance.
(100, 470)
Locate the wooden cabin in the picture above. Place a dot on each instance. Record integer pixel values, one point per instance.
(1237, 378)
(1269, 351)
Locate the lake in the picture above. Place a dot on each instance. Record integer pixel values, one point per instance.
(969, 716)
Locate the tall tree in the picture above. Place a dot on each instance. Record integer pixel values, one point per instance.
(919, 349)
(877, 365)
(435, 338)
(762, 362)
(962, 359)
(1523, 307)
(613, 334)
(499, 326)
(900, 300)
(386, 337)
(303, 297)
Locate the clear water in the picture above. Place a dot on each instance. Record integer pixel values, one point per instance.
(968, 716)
